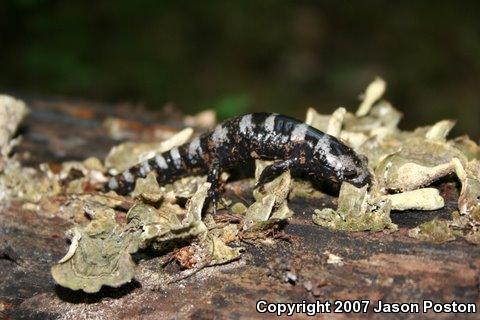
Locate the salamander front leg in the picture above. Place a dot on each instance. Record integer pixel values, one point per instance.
(272, 171)
(214, 178)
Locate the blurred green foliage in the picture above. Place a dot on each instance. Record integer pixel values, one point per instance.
(237, 56)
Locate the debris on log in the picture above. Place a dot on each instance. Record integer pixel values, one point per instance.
(158, 253)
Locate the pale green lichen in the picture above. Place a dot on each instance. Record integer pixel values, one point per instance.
(100, 252)
(217, 252)
(170, 221)
(26, 185)
(259, 211)
(148, 188)
(467, 146)
(469, 199)
(12, 112)
(317, 120)
(419, 163)
(437, 231)
(16, 182)
(305, 189)
(420, 199)
(225, 232)
(270, 199)
(184, 187)
(404, 163)
(473, 236)
(356, 212)
(238, 208)
(335, 122)
(440, 130)
(374, 92)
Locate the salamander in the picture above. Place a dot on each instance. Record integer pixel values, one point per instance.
(289, 142)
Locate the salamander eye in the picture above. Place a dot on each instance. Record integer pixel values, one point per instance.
(350, 173)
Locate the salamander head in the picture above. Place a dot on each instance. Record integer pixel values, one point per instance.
(337, 161)
(357, 174)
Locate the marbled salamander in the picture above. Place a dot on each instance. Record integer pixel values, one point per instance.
(291, 143)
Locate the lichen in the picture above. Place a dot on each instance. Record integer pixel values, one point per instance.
(419, 163)
(405, 165)
(100, 252)
(420, 199)
(12, 112)
(148, 188)
(26, 185)
(436, 231)
(467, 146)
(473, 236)
(218, 252)
(374, 91)
(305, 189)
(238, 208)
(469, 199)
(270, 199)
(356, 212)
(208, 251)
(184, 187)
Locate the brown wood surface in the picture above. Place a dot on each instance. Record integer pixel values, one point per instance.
(391, 267)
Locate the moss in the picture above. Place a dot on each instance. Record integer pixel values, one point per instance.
(355, 213)
(436, 231)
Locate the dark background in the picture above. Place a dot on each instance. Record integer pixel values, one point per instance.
(239, 56)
